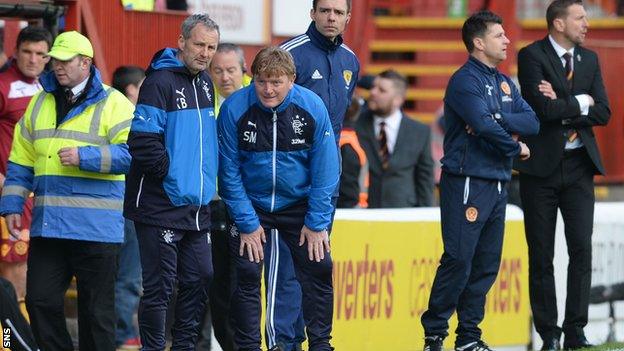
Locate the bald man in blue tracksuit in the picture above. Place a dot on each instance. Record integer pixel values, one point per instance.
(483, 112)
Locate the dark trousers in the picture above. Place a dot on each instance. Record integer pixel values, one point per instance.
(20, 337)
(314, 277)
(570, 188)
(170, 255)
(51, 265)
(473, 222)
(127, 285)
(287, 329)
(217, 314)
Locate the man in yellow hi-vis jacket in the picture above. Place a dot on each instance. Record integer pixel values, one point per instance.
(70, 150)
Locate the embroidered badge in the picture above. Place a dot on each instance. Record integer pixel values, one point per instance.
(167, 235)
(471, 214)
(233, 231)
(506, 88)
(347, 75)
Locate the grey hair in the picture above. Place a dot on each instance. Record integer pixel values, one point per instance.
(199, 18)
(231, 47)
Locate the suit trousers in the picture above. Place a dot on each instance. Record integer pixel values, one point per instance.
(51, 265)
(570, 188)
(473, 221)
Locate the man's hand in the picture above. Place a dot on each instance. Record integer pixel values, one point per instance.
(2, 179)
(525, 153)
(69, 156)
(547, 90)
(318, 243)
(252, 243)
(14, 223)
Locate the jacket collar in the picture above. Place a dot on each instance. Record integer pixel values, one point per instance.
(321, 41)
(473, 62)
(167, 59)
(95, 90)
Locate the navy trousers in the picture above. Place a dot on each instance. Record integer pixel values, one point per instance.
(314, 278)
(169, 256)
(473, 222)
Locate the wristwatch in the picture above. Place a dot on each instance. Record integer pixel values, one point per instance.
(497, 117)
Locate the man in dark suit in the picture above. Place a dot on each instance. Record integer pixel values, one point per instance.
(397, 147)
(561, 80)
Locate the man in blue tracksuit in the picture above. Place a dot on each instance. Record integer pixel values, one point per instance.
(329, 68)
(278, 170)
(484, 113)
(172, 179)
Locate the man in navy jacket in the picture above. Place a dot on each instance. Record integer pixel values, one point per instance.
(328, 67)
(172, 179)
(484, 113)
(278, 170)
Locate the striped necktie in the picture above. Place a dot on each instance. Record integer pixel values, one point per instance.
(569, 72)
(384, 153)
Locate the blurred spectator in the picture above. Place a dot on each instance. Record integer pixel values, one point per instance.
(128, 80)
(138, 5)
(17, 86)
(398, 148)
(179, 5)
(227, 71)
(70, 150)
(354, 176)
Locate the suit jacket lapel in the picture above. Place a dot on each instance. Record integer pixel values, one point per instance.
(578, 67)
(555, 61)
(369, 133)
(401, 136)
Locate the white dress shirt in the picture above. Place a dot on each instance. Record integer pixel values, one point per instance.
(393, 122)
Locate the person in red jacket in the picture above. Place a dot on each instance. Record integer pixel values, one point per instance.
(17, 85)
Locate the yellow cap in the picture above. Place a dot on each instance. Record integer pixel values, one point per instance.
(69, 44)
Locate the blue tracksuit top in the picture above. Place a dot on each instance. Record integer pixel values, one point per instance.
(330, 69)
(173, 144)
(474, 95)
(274, 158)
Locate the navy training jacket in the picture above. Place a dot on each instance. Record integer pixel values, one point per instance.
(173, 145)
(489, 102)
(275, 158)
(330, 69)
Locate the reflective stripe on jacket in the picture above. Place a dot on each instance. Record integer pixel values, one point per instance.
(82, 202)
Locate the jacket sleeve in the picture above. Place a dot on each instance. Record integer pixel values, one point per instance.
(231, 188)
(20, 171)
(600, 113)
(464, 97)
(146, 138)
(522, 120)
(115, 157)
(530, 74)
(423, 173)
(349, 193)
(324, 171)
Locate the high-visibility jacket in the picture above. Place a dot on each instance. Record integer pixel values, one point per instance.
(349, 137)
(82, 202)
